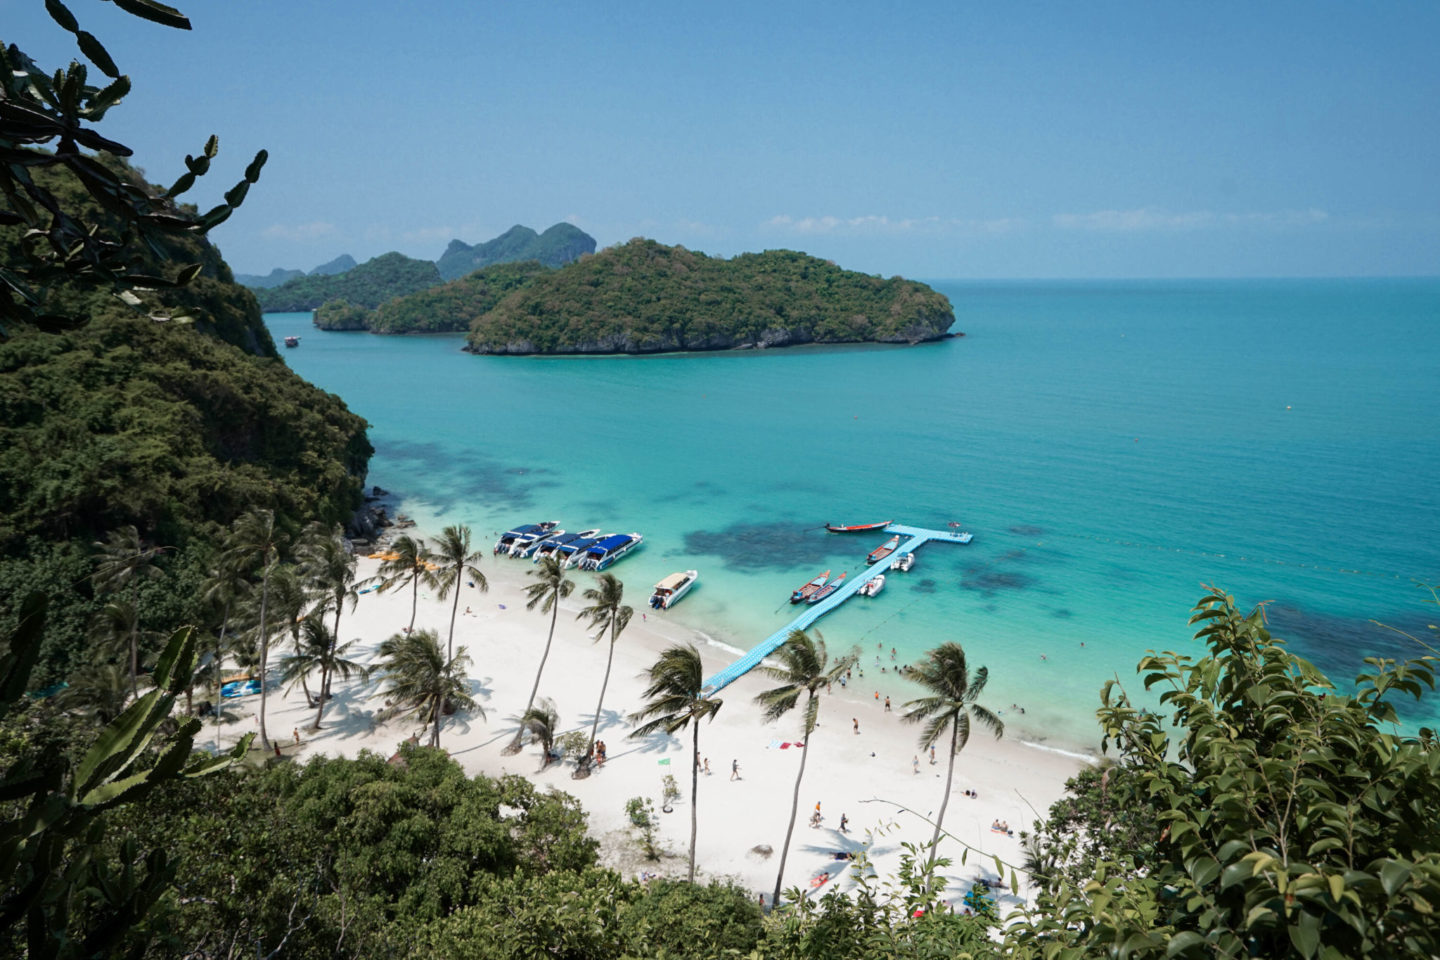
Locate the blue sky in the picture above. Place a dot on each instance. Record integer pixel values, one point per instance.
(933, 140)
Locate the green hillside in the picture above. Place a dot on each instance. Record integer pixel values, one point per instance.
(449, 308)
(644, 297)
(368, 285)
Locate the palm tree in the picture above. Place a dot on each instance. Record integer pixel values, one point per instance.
(223, 587)
(542, 721)
(328, 567)
(606, 612)
(97, 691)
(317, 650)
(550, 588)
(675, 698)
(804, 668)
(452, 553)
(411, 564)
(254, 542)
(122, 560)
(943, 672)
(418, 676)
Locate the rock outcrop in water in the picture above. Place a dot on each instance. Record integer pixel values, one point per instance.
(644, 297)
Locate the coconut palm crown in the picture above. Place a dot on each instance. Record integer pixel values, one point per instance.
(410, 564)
(419, 677)
(456, 562)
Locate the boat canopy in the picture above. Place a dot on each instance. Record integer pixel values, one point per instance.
(672, 581)
(611, 542)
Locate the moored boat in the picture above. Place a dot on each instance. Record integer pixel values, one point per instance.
(292, 341)
(571, 553)
(884, 550)
(857, 527)
(548, 548)
(608, 549)
(523, 548)
(872, 586)
(669, 591)
(903, 563)
(828, 589)
(523, 534)
(807, 591)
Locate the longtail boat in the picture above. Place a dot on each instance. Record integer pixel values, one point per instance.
(807, 591)
(857, 527)
(828, 589)
(884, 550)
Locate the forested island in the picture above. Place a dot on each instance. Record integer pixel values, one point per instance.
(449, 308)
(368, 285)
(557, 246)
(645, 297)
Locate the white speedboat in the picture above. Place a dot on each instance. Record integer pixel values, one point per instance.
(669, 591)
(903, 563)
(606, 550)
(523, 534)
(872, 586)
(524, 548)
(551, 547)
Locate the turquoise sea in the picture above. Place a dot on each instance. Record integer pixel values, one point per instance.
(1112, 446)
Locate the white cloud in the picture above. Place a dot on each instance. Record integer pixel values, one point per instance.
(298, 232)
(1157, 219)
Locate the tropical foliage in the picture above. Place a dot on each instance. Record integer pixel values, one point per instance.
(368, 285)
(422, 681)
(451, 307)
(644, 297)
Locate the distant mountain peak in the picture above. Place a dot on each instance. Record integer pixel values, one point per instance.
(557, 246)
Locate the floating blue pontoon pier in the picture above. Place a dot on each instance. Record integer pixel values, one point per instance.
(919, 536)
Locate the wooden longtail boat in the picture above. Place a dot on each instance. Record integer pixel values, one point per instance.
(857, 527)
(807, 591)
(884, 550)
(828, 589)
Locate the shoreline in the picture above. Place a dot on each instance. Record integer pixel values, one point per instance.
(867, 777)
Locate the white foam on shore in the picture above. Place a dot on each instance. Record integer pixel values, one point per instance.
(729, 648)
(1086, 757)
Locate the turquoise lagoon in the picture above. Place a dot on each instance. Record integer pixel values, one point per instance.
(1112, 445)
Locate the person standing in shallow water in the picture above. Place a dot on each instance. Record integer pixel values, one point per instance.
(735, 769)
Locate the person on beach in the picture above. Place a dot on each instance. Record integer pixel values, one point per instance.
(887, 704)
(844, 823)
(915, 764)
(734, 769)
(856, 722)
(297, 736)
(707, 766)
(932, 754)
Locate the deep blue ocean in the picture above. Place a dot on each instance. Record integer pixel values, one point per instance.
(1113, 446)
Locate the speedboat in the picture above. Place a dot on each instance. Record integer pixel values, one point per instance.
(903, 563)
(608, 549)
(807, 591)
(524, 534)
(523, 548)
(551, 547)
(872, 586)
(884, 550)
(571, 553)
(292, 341)
(828, 589)
(669, 591)
(857, 527)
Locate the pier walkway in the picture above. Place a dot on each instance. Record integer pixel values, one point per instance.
(919, 536)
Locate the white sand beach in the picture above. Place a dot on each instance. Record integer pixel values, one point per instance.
(867, 777)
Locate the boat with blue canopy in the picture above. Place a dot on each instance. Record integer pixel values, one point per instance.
(608, 549)
(523, 534)
(551, 548)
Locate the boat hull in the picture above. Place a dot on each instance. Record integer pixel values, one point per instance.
(668, 592)
(857, 527)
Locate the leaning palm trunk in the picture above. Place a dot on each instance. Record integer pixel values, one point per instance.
(599, 704)
(439, 712)
(414, 597)
(454, 607)
(219, 674)
(535, 687)
(949, 784)
(794, 810)
(694, 796)
(264, 653)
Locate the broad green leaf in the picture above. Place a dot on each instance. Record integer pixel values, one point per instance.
(1185, 940)
(1393, 876)
(93, 49)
